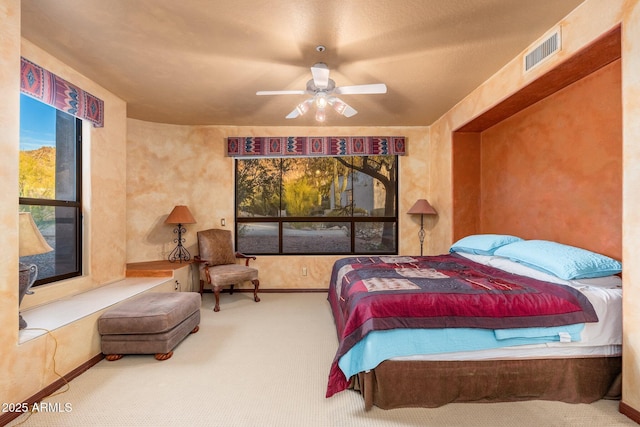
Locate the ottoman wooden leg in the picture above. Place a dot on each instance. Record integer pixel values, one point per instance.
(196, 329)
(112, 357)
(164, 356)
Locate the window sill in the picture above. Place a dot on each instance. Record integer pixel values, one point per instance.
(59, 313)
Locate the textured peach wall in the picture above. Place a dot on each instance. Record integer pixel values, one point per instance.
(27, 368)
(554, 170)
(169, 165)
(631, 204)
(579, 29)
(9, 137)
(466, 156)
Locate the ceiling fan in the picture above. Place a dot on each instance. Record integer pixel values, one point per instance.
(323, 91)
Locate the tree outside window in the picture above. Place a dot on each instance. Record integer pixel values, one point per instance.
(311, 205)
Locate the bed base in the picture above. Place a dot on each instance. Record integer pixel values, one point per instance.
(429, 384)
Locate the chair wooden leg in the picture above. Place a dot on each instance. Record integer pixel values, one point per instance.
(231, 290)
(256, 283)
(216, 292)
(201, 286)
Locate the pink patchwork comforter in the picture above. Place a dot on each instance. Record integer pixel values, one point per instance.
(444, 291)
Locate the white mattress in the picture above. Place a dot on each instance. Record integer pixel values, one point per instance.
(603, 338)
(537, 351)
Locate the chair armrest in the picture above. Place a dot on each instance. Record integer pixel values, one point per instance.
(199, 260)
(245, 257)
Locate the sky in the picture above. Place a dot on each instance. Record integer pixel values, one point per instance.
(37, 124)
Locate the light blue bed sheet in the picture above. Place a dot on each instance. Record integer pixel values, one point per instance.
(378, 346)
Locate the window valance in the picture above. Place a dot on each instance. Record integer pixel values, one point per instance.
(252, 146)
(45, 86)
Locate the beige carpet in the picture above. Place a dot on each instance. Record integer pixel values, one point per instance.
(266, 364)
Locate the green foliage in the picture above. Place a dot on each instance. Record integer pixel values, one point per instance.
(305, 186)
(300, 197)
(37, 177)
(38, 173)
(258, 187)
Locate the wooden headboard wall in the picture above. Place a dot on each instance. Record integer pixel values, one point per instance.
(552, 170)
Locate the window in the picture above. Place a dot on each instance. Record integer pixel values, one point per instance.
(317, 205)
(50, 186)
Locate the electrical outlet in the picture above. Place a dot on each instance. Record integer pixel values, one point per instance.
(304, 271)
(223, 222)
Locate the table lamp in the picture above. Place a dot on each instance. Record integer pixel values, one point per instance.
(180, 215)
(423, 208)
(31, 242)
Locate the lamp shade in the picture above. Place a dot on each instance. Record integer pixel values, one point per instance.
(180, 215)
(31, 241)
(422, 207)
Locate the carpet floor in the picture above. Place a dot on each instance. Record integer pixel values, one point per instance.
(266, 364)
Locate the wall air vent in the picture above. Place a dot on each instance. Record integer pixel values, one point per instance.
(543, 50)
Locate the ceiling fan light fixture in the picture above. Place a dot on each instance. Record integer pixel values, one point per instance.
(321, 100)
(303, 107)
(322, 88)
(337, 105)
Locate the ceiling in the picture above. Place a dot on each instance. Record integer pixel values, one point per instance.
(200, 62)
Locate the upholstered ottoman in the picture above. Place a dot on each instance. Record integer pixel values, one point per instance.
(152, 323)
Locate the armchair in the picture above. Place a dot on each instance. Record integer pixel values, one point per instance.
(217, 264)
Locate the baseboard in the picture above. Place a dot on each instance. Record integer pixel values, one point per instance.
(7, 417)
(630, 412)
(273, 291)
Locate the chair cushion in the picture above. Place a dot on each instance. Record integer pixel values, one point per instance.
(232, 274)
(216, 247)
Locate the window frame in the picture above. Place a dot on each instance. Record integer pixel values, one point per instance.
(75, 204)
(352, 220)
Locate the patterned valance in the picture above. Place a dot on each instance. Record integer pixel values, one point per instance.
(45, 86)
(277, 146)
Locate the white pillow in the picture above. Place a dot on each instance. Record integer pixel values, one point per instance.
(514, 267)
(517, 268)
(480, 259)
(600, 282)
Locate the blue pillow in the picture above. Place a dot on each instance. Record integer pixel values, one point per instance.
(563, 261)
(482, 244)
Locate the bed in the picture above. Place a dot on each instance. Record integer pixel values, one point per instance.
(498, 318)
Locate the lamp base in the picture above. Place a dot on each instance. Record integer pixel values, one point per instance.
(21, 322)
(28, 274)
(421, 233)
(179, 252)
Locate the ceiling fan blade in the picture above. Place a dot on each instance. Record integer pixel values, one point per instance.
(361, 89)
(292, 115)
(349, 111)
(320, 73)
(281, 92)
(342, 107)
